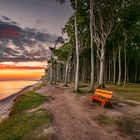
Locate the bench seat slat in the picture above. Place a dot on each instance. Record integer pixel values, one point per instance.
(104, 91)
(105, 95)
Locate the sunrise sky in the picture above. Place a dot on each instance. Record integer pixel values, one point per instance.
(22, 70)
(47, 16)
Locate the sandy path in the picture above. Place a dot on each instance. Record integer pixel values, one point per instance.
(74, 116)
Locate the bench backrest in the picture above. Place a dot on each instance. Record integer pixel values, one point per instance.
(104, 93)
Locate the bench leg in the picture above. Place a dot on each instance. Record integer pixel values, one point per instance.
(92, 100)
(108, 104)
(103, 104)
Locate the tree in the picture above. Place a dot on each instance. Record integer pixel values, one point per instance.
(52, 49)
(77, 51)
(92, 49)
(103, 22)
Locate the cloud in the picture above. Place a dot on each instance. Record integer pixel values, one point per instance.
(6, 18)
(12, 67)
(40, 22)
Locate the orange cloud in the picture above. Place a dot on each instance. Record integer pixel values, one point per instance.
(21, 74)
(11, 67)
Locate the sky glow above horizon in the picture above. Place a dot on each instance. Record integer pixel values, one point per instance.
(22, 70)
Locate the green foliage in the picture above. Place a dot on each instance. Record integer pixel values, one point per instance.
(63, 52)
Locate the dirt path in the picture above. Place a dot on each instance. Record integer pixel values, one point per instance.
(74, 116)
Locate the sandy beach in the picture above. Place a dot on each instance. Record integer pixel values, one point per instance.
(7, 103)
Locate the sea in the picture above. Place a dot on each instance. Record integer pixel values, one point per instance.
(8, 88)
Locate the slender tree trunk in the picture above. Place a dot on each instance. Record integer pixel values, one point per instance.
(51, 70)
(57, 79)
(77, 51)
(125, 71)
(125, 61)
(84, 70)
(66, 70)
(92, 49)
(119, 57)
(114, 65)
(109, 70)
(136, 71)
(97, 70)
(105, 71)
(102, 60)
(69, 72)
(74, 69)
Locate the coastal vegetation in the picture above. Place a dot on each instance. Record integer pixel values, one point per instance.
(28, 100)
(25, 117)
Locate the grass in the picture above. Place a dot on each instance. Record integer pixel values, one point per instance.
(21, 122)
(126, 125)
(19, 125)
(28, 100)
(42, 84)
(84, 91)
(128, 92)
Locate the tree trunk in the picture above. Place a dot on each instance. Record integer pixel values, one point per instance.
(114, 65)
(125, 65)
(109, 70)
(66, 70)
(84, 70)
(92, 49)
(102, 60)
(57, 72)
(51, 70)
(119, 57)
(77, 51)
(136, 71)
(97, 69)
(125, 61)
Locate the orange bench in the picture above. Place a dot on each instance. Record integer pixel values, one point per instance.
(102, 96)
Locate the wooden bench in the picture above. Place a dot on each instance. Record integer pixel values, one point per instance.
(103, 97)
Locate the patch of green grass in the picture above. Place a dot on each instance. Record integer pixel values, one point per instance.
(28, 100)
(128, 92)
(84, 90)
(18, 125)
(42, 84)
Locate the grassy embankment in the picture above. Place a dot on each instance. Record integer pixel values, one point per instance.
(21, 121)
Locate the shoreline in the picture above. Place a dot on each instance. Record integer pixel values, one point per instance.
(7, 103)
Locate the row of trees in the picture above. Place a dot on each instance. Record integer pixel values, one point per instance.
(102, 46)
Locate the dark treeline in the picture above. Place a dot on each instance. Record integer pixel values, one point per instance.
(102, 46)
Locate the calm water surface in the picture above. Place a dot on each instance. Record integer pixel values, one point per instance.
(8, 88)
